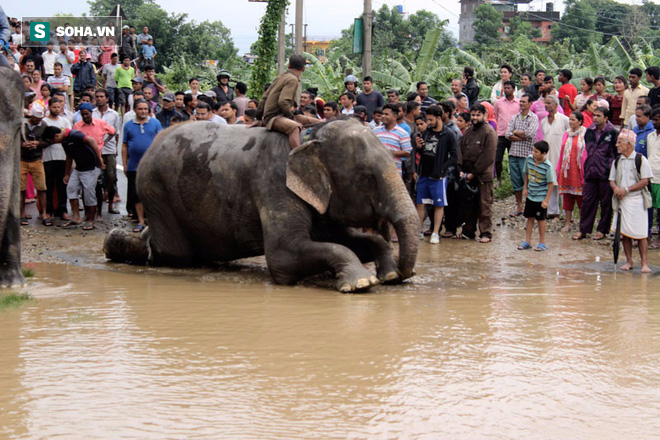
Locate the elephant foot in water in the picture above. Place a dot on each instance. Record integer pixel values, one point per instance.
(351, 284)
(11, 277)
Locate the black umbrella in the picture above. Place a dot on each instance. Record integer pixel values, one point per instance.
(617, 237)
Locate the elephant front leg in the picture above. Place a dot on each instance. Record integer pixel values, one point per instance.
(290, 260)
(371, 247)
(10, 254)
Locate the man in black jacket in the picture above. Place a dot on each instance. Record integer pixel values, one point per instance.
(437, 148)
(600, 146)
(471, 88)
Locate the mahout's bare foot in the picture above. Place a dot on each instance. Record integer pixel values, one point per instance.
(627, 266)
(646, 269)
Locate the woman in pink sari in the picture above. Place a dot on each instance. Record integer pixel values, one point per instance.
(570, 169)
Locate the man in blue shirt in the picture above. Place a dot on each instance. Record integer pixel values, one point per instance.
(139, 134)
(644, 128)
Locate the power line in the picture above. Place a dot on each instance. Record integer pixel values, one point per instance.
(530, 14)
(451, 12)
(606, 19)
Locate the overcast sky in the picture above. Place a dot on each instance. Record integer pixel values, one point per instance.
(325, 19)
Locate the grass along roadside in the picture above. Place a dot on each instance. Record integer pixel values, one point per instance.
(14, 300)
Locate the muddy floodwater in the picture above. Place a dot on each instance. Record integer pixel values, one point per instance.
(483, 343)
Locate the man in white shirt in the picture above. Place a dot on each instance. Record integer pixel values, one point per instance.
(49, 58)
(554, 126)
(498, 89)
(109, 150)
(630, 175)
(17, 36)
(347, 100)
(108, 81)
(54, 160)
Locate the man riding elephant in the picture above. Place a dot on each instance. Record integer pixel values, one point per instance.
(11, 117)
(275, 106)
(219, 193)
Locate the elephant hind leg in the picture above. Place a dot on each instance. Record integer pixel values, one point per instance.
(168, 243)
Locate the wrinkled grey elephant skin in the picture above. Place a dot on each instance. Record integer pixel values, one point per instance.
(11, 117)
(219, 193)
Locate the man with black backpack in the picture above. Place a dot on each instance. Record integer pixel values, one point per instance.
(630, 175)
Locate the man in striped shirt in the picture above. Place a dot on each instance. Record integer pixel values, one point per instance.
(394, 137)
(522, 133)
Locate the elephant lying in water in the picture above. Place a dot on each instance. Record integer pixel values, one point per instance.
(11, 118)
(216, 193)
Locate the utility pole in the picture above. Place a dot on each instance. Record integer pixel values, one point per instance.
(281, 45)
(305, 39)
(366, 49)
(299, 27)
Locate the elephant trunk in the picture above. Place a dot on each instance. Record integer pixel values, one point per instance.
(405, 219)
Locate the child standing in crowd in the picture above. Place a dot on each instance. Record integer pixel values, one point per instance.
(587, 89)
(149, 53)
(539, 181)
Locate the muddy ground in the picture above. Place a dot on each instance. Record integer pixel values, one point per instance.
(74, 246)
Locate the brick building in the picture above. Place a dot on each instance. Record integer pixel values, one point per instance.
(543, 20)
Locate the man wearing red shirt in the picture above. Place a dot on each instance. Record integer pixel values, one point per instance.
(567, 92)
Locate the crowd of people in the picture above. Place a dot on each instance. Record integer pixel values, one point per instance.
(564, 146)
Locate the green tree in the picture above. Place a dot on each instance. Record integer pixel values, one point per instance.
(521, 28)
(396, 37)
(651, 34)
(266, 46)
(579, 24)
(487, 24)
(177, 40)
(328, 77)
(208, 40)
(610, 16)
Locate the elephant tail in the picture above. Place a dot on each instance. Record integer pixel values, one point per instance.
(123, 247)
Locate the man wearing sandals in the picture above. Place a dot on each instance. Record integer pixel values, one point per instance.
(102, 133)
(476, 159)
(85, 153)
(600, 145)
(630, 175)
(32, 147)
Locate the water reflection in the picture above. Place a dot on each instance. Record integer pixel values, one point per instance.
(465, 352)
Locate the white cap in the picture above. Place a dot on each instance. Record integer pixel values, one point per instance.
(37, 111)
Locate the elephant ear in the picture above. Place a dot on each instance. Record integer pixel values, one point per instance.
(307, 176)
